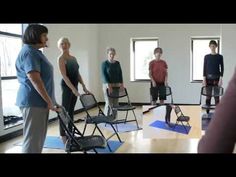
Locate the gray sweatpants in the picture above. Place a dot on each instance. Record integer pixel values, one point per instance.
(34, 128)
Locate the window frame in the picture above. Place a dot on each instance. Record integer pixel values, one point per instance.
(216, 38)
(133, 60)
(7, 34)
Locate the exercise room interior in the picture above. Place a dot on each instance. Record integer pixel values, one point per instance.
(184, 47)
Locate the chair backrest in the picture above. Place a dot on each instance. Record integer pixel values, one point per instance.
(117, 92)
(178, 111)
(66, 121)
(88, 101)
(168, 91)
(212, 91)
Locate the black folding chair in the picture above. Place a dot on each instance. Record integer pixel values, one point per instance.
(76, 140)
(126, 106)
(89, 102)
(181, 118)
(210, 91)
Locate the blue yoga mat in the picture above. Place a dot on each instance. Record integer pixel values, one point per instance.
(122, 127)
(178, 128)
(51, 142)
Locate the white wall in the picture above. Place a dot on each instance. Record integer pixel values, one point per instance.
(175, 41)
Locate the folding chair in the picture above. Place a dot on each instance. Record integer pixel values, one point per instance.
(210, 91)
(181, 118)
(89, 102)
(127, 106)
(76, 140)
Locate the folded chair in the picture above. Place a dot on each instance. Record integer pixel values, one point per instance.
(89, 102)
(118, 93)
(76, 140)
(181, 118)
(210, 91)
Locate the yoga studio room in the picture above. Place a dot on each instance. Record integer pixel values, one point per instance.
(117, 88)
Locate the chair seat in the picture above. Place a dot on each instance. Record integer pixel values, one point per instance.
(208, 106)
(124, 107)
(183, 118)
(100, 119)
(86, 143)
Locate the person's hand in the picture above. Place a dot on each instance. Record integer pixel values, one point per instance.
(75, 92)
(204, 82)
(220, 83)
(154, 84)
(110, 89)
(122, 87)
(86, 90)
(53, 107)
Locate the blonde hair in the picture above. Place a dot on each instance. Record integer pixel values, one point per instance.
(111, 49)
(61, 40)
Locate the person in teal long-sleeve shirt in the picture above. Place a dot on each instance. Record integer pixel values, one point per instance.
(111, 77)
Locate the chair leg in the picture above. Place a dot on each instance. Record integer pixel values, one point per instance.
(116, 133)
(117, 128)
(94, 130)
(184, 127)
(126, 116)
(135, 119)
(95, 151)
(85, 126)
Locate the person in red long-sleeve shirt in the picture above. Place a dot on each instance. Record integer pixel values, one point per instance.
(158, 75)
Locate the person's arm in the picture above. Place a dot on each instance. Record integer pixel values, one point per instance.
(62, 68)
(204, 72)
(166, 78)
(35, 79)
(221, 71)
(105, 77)
(220, 136)
(121, 77)
(150, 75)
(82, 83)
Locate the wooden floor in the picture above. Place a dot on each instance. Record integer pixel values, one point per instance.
(133, 141)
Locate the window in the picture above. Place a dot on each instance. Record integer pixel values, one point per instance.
(200, 48)
(141, 55)
(10, 46)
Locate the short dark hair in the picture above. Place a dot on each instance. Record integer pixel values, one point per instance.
(33, 32)
(212, 42)
(158, 49)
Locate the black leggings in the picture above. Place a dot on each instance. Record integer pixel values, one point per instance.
(68, 102)
(212, 82)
